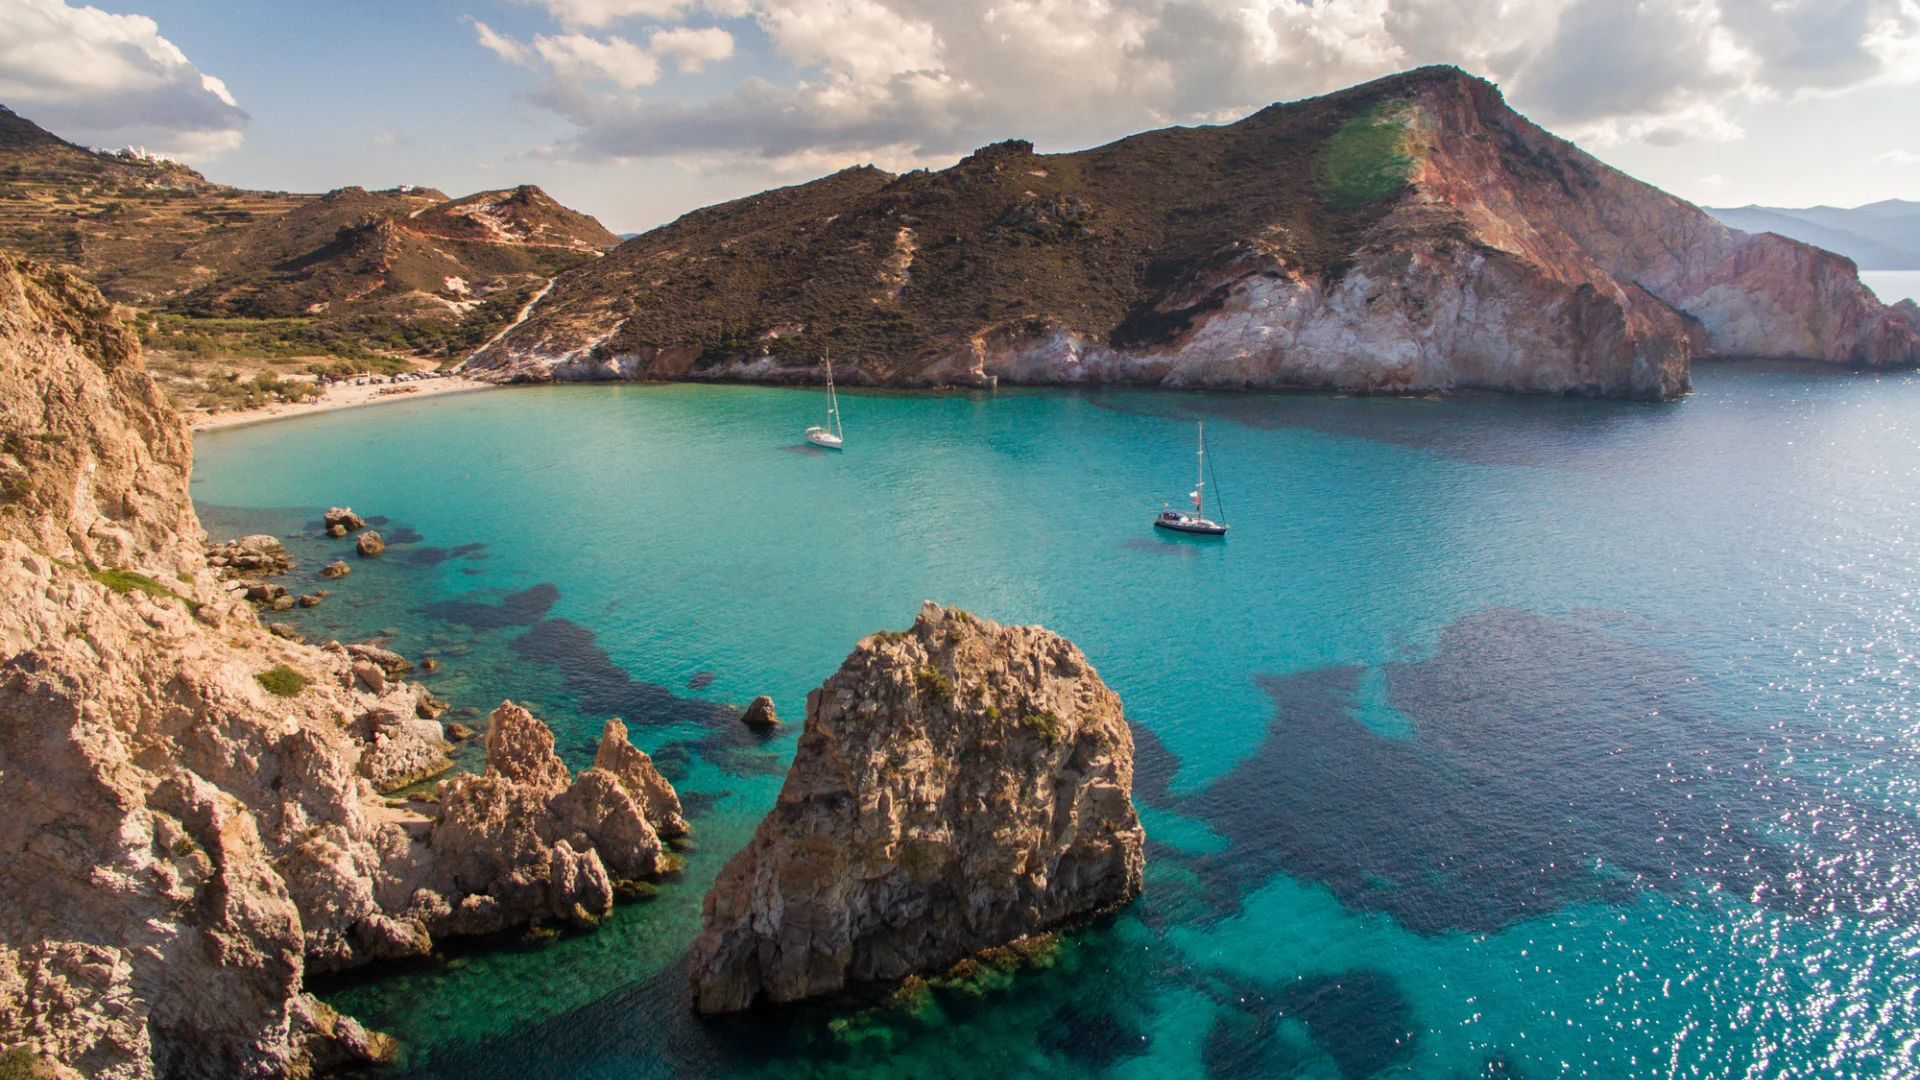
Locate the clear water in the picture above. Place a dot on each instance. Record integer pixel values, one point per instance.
(1503, 737)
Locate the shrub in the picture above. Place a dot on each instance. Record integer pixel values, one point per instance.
(282, 681)
(933, 683)
(126, 581)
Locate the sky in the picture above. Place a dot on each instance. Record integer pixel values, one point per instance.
(637, 111)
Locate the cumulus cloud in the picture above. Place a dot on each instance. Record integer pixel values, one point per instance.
(111, 80)
(924, 79)
(575, 61)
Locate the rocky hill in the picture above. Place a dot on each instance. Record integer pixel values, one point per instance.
(191, 814)
(405, 269)
(958, 786)
(1410, 234)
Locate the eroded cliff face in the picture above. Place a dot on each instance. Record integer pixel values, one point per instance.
(1408, 235)
(956, 787)
(181, 843)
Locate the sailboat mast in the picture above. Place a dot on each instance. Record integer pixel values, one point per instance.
(1200, 481)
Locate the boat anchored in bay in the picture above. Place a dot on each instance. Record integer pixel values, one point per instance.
(1196, 523)
(830, 434)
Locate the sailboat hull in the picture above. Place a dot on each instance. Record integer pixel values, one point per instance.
(826, 439)
(1191, 527)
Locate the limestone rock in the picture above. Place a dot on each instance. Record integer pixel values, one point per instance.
(335, 569)
(636, 772)
(400, 750)
(520, 748)
(370, 544)
(523, 842)
(390, 662)
(760, 715)
(955, 787)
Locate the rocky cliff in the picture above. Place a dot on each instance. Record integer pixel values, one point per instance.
(1410, 234)
(191, 823)
(956, 787)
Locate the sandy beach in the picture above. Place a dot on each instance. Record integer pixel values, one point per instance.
(340, 396)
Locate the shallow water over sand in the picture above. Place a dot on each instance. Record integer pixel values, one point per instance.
(1502, 737)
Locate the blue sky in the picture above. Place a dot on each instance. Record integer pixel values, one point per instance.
(638, 110)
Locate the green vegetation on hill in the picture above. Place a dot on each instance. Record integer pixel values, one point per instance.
(1370, 157)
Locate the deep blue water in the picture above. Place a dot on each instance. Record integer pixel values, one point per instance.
(1502, 737)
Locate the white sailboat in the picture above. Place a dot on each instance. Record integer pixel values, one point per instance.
(830, 434)
(1196, 522)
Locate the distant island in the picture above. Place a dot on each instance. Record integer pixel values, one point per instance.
(1878, 236)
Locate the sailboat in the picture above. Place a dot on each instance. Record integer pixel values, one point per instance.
(830, 434)
(1196, 522)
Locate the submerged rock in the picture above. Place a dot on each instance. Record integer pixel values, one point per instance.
(956, 787)
(760, 715)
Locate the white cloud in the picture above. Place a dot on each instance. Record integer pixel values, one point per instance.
(576, 60)
(111, 80)
(1897, 157)
(501, 45)
(594, 14)
(692, 49)
(579, 58)
(925, 79)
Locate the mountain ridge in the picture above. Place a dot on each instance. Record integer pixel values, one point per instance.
(405, 269)
(1878, 236)
(1405, 235)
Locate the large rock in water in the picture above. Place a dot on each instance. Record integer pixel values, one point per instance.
(956, 787)
(183, 839)
(1407, 235)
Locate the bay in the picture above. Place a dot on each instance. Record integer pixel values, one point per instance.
(1501, 737)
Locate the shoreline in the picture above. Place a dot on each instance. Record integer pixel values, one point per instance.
(335, 398)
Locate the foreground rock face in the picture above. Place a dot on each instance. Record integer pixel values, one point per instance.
(191, 819)
(1407, 235)
(956, 787)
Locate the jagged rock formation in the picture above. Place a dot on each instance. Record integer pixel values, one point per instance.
(1410, 234)
(191, 816)
(957, 787)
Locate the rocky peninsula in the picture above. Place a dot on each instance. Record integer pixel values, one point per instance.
(956, 787)
(1407, 235)
(193, 820)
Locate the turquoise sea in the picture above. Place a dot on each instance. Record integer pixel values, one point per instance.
(1503, 737)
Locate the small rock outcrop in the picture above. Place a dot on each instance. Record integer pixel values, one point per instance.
(335, 569)
(369, 545)
(344, 519)
(760, 715)
(524, 842)
(956, 787)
